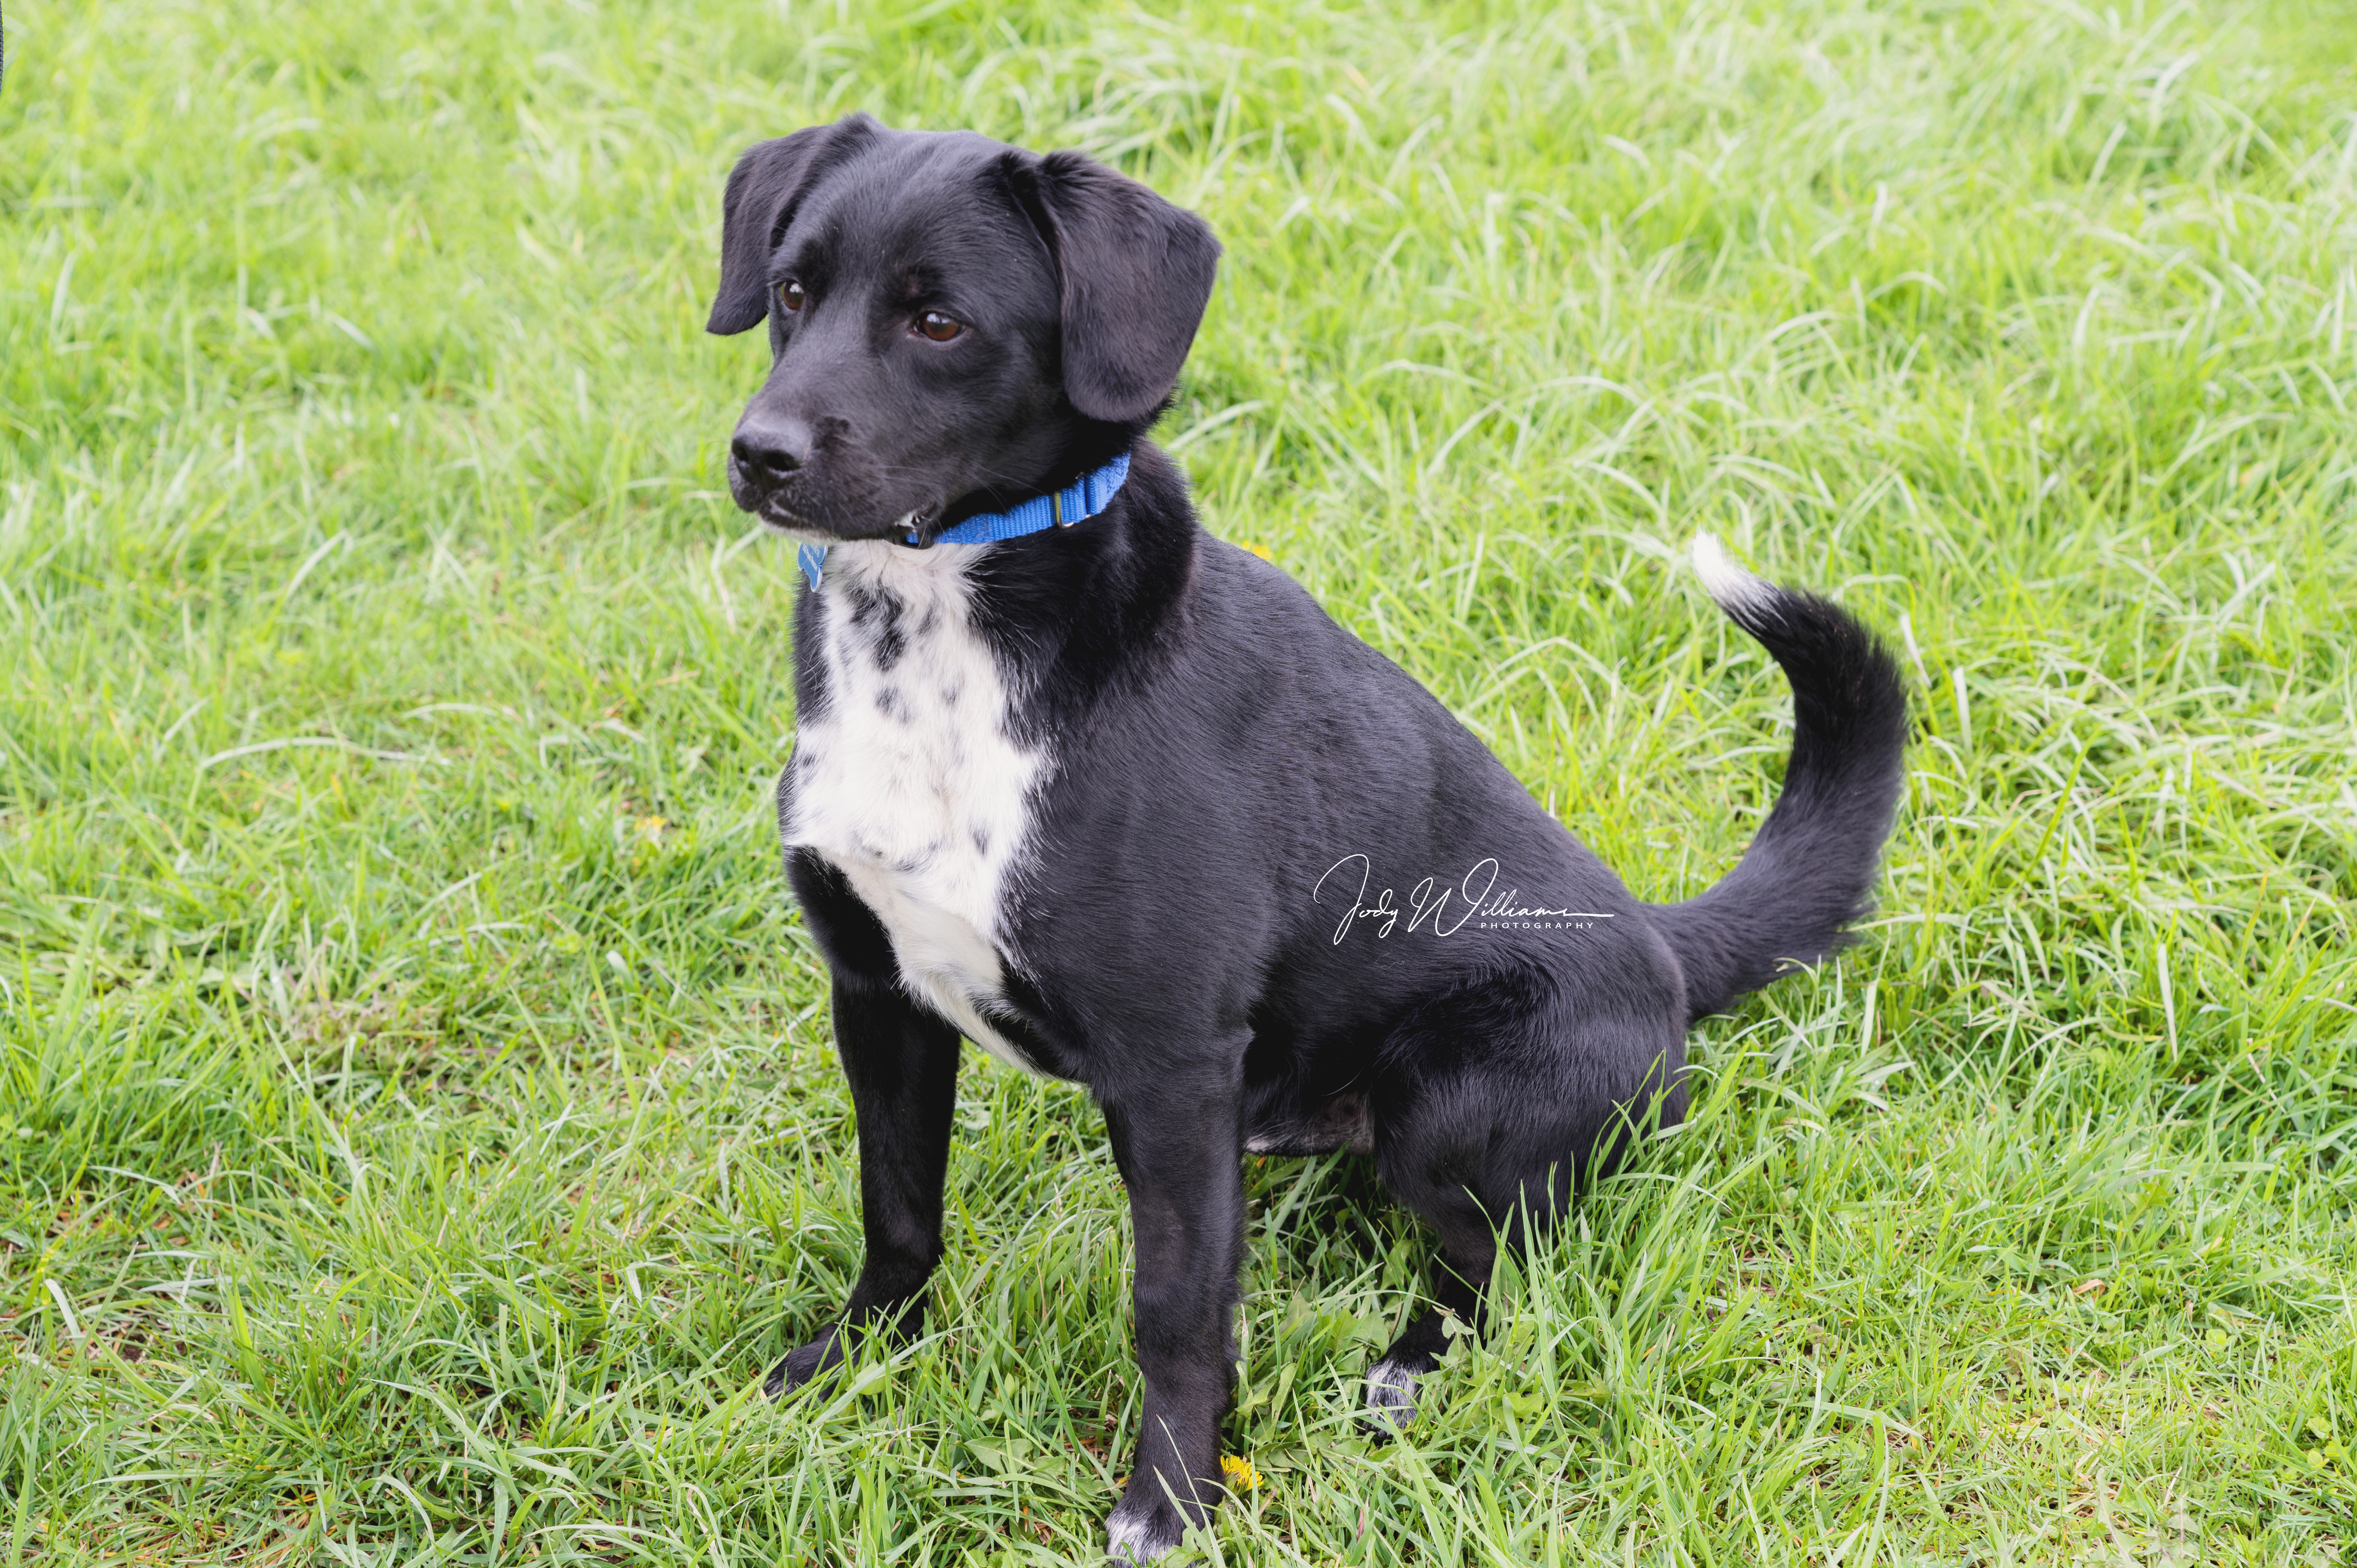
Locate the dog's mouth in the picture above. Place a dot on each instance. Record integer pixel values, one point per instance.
(769, 505)
(780, 519)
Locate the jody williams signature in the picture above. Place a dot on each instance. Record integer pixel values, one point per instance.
(1487, 909)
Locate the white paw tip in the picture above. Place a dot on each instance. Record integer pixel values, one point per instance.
(1391, 1389)
(1138, 1541)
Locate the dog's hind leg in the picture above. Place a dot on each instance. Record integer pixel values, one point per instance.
(1497, 1103)
(1469, 1251)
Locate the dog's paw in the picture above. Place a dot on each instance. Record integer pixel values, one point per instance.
(1134, 1537)
(818, 1358)
(1391, 1396)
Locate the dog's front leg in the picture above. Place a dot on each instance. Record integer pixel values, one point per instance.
(1181, 1159)
(902, 1062)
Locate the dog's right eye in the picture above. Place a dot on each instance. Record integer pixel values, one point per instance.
(791, 296)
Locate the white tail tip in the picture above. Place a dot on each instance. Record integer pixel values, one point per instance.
(1734, 588)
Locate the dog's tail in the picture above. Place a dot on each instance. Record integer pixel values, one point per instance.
(1809, 873)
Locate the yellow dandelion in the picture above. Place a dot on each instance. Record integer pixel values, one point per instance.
(1242, 1477)
(1264, 552)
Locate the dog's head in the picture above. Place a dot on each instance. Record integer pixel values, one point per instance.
(952, 318)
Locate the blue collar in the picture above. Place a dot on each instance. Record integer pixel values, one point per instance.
(1076, 502)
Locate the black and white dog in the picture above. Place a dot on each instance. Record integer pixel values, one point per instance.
(1115, 800)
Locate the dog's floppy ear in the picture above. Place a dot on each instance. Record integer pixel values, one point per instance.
(1136, 274)
(762, 189)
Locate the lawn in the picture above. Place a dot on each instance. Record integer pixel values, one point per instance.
(418, 1125)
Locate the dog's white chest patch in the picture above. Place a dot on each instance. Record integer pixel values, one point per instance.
(907, 778)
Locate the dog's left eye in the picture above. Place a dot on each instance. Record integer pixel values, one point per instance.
(939, 327)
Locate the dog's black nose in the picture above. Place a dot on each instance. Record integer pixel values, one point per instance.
(768, 448)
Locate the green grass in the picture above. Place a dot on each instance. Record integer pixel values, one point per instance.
(418, 1126)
